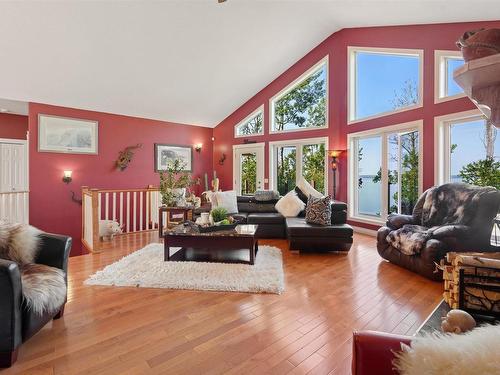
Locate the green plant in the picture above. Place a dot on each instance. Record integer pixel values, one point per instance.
(219, 214)
(485, 172)
(174, 177)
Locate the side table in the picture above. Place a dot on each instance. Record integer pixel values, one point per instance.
(187, 214)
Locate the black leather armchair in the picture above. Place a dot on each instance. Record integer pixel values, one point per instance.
(17, 322)
(455, 217)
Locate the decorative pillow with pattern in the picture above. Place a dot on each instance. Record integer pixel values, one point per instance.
(319, 211)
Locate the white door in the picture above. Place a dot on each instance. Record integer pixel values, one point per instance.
(13, 180)
(248, 168)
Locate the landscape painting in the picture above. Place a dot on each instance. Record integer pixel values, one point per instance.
(166, 154)
(67, 135)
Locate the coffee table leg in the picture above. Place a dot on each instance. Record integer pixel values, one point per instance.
(167, 252)
(252, 254)
(256, 246)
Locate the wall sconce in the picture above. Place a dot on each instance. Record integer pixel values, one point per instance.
(334, 154)
(197, 147)
(67, 177)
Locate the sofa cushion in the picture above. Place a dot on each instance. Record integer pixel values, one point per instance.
(339, 217)
(338, 206)
(265, 218)
(297, 227)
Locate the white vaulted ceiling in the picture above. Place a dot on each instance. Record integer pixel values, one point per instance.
(183, 61)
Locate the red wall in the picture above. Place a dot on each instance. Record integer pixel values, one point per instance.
(13, 126)
(51, 207)
(426, 37)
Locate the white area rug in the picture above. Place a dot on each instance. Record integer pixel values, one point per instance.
(146, 268)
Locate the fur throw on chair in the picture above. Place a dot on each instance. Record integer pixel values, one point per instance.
(43, 287)
(19, 242)
(474, 352)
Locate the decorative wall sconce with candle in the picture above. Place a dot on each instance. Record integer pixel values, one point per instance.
(334, 154)
(197, 147)
(67, 177)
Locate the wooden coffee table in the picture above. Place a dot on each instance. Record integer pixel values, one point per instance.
(232, 246)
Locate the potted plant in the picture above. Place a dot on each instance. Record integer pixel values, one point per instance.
(173, 183)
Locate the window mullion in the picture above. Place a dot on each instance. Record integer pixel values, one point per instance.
(385, 179)
(298, 162)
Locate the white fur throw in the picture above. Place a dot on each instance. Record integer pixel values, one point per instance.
(19, 242)
(290, 205)
(474, 352)
(44, 288)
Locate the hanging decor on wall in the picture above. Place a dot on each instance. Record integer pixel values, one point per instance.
(222, 159)
(125, 157)
(67, 135)
(165, 155)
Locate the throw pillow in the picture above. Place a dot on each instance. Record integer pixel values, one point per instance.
(307, 188)
(319, 211)
(228, 200)
(266, 195)
(290, 205)
(301, 195)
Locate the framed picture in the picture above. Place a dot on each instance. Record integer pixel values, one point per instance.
(67, 135)
(166, 154)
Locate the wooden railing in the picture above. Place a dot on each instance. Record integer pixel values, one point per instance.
(135, 209)
(14, 206)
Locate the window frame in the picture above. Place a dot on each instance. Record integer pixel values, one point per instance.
(351, 80)
(273, 166)
(383, 132)
(291, 86)
(442, 126)
(260, 109)
(440, 75)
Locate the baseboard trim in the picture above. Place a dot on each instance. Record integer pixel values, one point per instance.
(369, 232)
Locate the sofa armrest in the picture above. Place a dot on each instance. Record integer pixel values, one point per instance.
(10, 306)
(373, 352)
(54, 251)
(396, 221)
(460, 231)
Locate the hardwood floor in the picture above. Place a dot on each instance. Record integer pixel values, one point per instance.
(308, 329)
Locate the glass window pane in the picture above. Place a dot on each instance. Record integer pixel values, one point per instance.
(451, 86)
(471, 142)
(286, 170)
(385, 82)
(313, 165)
(304, 106)
(248, 165)
(403, 159)
(393, 172)
(369, 183)
(409, 171)
(252, 126)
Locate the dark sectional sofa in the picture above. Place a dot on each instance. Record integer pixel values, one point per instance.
(301, 235)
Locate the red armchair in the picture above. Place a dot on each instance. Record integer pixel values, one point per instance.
(373, 352)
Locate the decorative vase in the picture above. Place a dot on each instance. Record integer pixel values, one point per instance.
(174, 197)
(480, 43)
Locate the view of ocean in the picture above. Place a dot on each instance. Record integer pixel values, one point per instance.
(369, 193)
